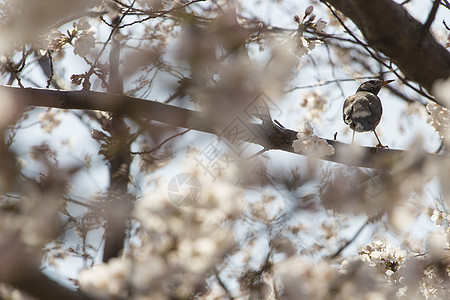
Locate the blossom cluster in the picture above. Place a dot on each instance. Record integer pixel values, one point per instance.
(440, 218)
(107, 278)
(309, 143)
(302, 278)
(383, 257)
(304, 45)
(379, 271)
(439, 119)
(315, 104)
(178, 247)
(81, 37)
(440, 240)
(49, 120)
(407, 274)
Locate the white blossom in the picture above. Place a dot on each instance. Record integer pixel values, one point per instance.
(302, 46)
(83, 44)
(85, 40)
(320, 25)
(83, 24)
(384, 258)
(305, 130)
(323, 148)
(309, 143)
(304, 278)
(106, 279)
(438, 217)
(439, 119)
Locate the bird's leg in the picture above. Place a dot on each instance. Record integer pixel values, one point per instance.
(353, 137)
(380, 145)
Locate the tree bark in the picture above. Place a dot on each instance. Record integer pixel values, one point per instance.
(119, 202)
(389, 28)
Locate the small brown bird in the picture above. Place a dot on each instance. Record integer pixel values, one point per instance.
(362, 111)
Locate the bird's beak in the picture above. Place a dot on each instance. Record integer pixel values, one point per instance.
(386, 82)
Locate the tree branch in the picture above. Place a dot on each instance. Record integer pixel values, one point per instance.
(388, 27)
(161, 144)
(377, 58)
(351, 240)
(119, 204)
(431, 16)
(268, 134)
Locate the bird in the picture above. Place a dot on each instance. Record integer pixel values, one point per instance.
(362, 111)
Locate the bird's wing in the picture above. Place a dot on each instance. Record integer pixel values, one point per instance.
(375, 108)
(347, 110)
(362, 111)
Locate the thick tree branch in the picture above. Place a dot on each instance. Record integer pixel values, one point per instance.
(119, 203)
(377, 58)
(119, 104)
(269, 135)
(388, 27)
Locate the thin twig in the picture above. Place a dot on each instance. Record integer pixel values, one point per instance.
(50, 60)
(258, 153)
(446, 4)
(348, 242)
(367, 48)
(77, 202)
(160, 145)
(333, 68)
(445, 25)
(326, 82)
(23, 127)
(111, 34)
(90, 14)
(156, 14)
